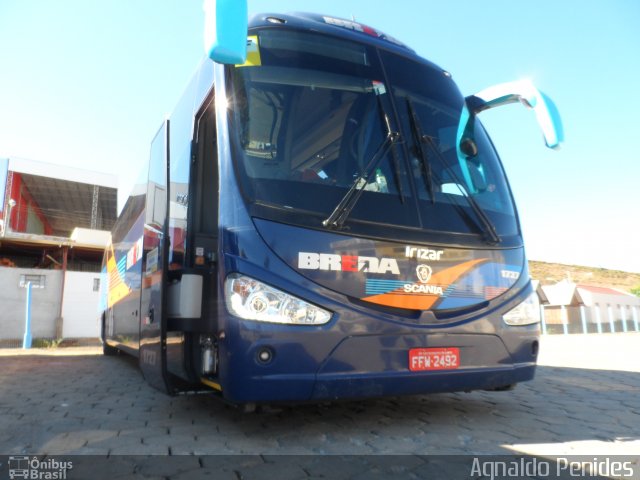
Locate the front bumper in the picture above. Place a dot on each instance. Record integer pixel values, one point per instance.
(370, 366)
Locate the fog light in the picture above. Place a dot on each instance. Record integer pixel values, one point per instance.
(534, 348)
(265, 355)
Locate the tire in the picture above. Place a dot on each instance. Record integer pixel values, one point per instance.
(108, 350)
(502, 388)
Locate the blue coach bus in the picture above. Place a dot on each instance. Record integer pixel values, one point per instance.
(323, 216)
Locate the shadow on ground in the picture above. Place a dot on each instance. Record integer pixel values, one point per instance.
(101, 405)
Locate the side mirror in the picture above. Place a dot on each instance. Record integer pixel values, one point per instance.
(503, 94)
(525, 92)
(225, 30)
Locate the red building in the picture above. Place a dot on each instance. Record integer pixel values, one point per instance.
(26, 215)
(40, 206)
(55, 222)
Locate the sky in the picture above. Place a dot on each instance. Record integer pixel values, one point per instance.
(86, 83)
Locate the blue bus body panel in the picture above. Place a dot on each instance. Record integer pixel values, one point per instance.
(363, 350)
(395, 274)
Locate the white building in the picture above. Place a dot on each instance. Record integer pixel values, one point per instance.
(54, 226)
(574, 308)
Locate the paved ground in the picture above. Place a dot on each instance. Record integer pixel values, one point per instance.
(584, 400)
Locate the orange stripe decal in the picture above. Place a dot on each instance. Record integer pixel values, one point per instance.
(419, 301)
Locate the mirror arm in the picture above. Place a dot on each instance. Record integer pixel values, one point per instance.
(522, 91)
(525, 92)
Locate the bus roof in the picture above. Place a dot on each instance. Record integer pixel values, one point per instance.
(331, 26)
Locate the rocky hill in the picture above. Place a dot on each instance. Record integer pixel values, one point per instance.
(550, 273)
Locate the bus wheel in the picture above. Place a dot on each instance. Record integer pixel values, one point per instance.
(248, 407)
(502, 388)
(108, 350)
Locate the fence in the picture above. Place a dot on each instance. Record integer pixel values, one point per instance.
(560, 319)
(79, 308)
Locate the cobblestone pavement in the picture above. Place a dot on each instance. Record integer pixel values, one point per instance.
(74, 401)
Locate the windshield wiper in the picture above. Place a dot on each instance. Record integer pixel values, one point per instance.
(489, 230)
(418, 138)
(348, 202)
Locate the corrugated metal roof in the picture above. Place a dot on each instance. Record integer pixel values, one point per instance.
(68, 204)
(62, 172)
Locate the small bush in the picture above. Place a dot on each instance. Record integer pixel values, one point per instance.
(46, 342)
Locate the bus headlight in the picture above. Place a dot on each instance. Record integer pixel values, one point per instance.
(527, 313)
(250, 299)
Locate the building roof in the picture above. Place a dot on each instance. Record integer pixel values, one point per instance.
(570, 294)
(68, 197)
(542, 295)
(62, 172)
(602, 290)
(68, 204)
(54, 215)
(563, 293)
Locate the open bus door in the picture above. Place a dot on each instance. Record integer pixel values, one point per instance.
(153, 307)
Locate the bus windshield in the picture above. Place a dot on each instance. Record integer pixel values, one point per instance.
(309, 113)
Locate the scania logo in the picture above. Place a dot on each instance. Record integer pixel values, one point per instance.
(424, 273)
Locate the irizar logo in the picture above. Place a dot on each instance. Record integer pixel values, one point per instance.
(422, 253)
(347, 263)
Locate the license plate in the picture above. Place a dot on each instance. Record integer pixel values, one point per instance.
(421, 359)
